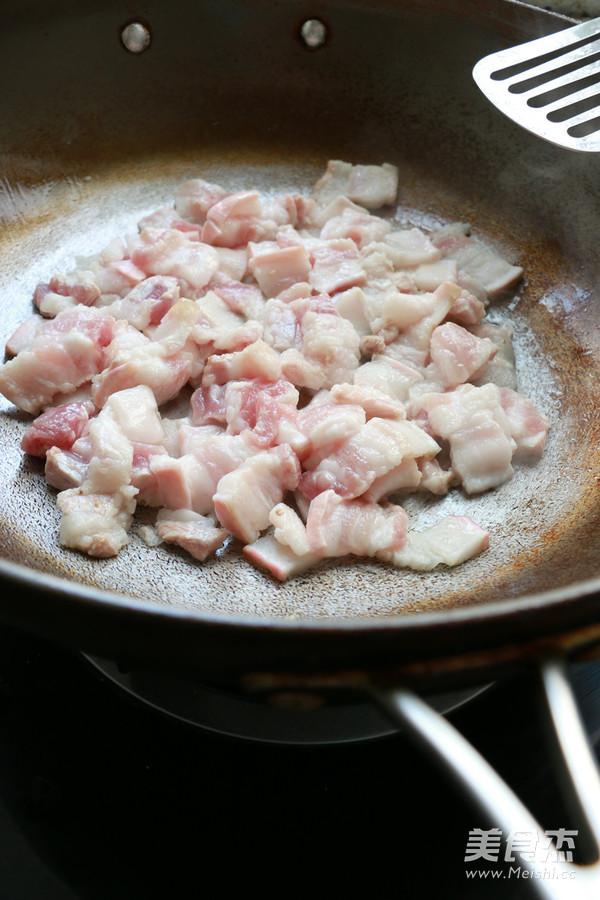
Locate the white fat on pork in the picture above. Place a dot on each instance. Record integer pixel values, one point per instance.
(245, 497)
(147, 302)
(96, 524)
(277, 267)
(197, 535)
(528, 427)
(484, 266)
(450, 542)
(171, 252)
(97, 515)
(370, 185)
(64, 353)
(474, 422)
(457, 355)
(380, 446)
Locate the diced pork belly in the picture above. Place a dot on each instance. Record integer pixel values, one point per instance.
(164, 375)
(352, 305)
(235, 220)
(65, 353)
(289, 529)
(65, 469)
(216, 328)
(148, 302)
(434, 478)
(336, 265)
(330, 346)
(326, 427)
(335, 528)
(450, 542)
(190, 480)
(370, 185)
(22, 338)
(408, 248)
(429, 276)
(405, 477)
(528, 427)
(357, 225)
(136, 412)
(208, 405)
(278, 558)
(258, 360)
(261, 407)
(380, 445)
(457, 355)
(195, 197)
(244, 299)
(484, 266)
(59, 427)
(375, 402)
(412, 345)
(389, 376)
(246, 496)
(173, 253)
(467, 309)
(277, 268)
(197, 535)
(62, 292)
(96, 524)
(338, 527)
(473, 421)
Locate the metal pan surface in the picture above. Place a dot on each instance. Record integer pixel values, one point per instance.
(94, 136)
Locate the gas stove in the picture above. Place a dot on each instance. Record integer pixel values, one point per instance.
(104, 796)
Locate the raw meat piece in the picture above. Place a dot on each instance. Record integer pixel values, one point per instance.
(197, 535)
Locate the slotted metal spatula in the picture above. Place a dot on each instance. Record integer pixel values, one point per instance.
(550, 86)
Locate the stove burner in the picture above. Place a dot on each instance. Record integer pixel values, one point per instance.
(298, 719)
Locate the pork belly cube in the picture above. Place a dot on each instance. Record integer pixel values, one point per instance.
(457, 355)
(246, 496)
(235, 220)
(64, 291)
(195, 197)
(479, 263)
(528, 427)
(265, 409)
(147, 302)
(371, 185)
(136, 412)
(64, 354)
(96, 523)
(277, 268)
(336, 265)
(357, 225)
(450, 542)
(174, 253)
(338, 527)
(409, 247)
(257, 360)
(279, 559)
(473, 421)
(380, 446)
(58, 427)
(196, 534)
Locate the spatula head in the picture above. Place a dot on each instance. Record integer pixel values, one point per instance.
(550, 86)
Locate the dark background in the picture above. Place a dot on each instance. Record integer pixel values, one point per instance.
(104, 797)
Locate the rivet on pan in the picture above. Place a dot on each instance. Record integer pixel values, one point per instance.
(314, 33)
(135, 37)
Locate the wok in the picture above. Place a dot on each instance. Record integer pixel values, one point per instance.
(94, 135)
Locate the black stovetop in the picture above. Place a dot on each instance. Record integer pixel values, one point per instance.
(103, 798)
